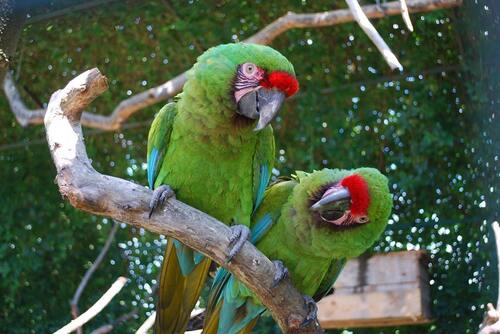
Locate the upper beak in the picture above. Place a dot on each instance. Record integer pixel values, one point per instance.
(262, 104)
(330, 196)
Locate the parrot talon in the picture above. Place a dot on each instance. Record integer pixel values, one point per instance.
(281, 272)
(239, 234)
(312, 310)
(160, 195)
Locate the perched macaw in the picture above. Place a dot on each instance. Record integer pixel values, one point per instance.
(309, 225)
(214, 148)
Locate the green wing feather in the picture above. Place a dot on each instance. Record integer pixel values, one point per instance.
(263, 163)
(158, 140)
(268, 212)
(331, 276)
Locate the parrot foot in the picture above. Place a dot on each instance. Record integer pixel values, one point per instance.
(281, 272)
(239, 234)
(160, 194)
(312, 310)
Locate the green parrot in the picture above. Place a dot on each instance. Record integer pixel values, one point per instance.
(214, 148)
(310, 224)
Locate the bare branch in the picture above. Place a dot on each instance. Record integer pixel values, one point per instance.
(150, 321)
(373, 34)
(75, 312)
(94, 309)
(491, 321)
(109, 327)
(88, 190)
(133, 104)
(406, 15)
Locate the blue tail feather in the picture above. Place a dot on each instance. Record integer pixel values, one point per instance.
(188, 259)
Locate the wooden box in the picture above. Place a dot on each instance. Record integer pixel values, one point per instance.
(382, 290)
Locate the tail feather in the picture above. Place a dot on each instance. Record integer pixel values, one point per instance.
(234, 312)
(229, 320)
(178, 294)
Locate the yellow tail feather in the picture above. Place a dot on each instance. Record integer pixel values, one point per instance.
(177, 294)
(211, 323)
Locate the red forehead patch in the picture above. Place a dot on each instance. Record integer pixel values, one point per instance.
(360, 198)
(282, 81)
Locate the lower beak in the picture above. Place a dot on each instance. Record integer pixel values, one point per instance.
(331, 196)
(262, 104)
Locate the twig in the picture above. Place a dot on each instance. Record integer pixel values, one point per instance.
(125, 317)
(88, 274)
(88, 190)
(150, 321)
(163, 92)
(491, 321)
(109, 327)
(496, 232)
(94, 309)
(373, 34)
(406, 15)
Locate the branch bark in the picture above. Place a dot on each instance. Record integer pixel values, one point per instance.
(75, 312)
(94, 309)
(163, 92)
(88, 190)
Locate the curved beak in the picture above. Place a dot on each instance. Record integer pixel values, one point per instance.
(262, 104)
(331, 195)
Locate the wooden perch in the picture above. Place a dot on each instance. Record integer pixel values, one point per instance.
(125, 109)
(99, 194)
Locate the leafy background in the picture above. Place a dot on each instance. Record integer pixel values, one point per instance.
(431, 129)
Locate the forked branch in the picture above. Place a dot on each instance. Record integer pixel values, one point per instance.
(124, 201)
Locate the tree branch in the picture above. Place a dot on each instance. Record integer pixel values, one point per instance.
(109, 327)
(88, 190)
(163, 92)
(491, 321)
(75, 312)
(150, 321)
(95, 309)
(406, 15)
(373, 34)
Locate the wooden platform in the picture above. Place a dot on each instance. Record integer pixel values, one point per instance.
(383, 290)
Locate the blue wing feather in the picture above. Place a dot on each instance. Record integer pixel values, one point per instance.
(263, 181)
(261, 228)
(152, 162)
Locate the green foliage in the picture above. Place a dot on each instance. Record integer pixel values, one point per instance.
(429, 129)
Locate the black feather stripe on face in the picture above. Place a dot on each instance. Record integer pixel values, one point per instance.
(242, 81)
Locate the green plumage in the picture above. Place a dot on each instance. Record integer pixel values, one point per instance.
(313, 251)
(212, 159)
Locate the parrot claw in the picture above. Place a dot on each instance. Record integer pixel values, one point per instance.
(312, 310)
(239, 234)
(281, 272)
(160, 194)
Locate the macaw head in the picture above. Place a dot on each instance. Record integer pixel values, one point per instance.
(246, 83)
(344, 210)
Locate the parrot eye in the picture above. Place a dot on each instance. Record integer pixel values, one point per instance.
(249, 69)
(363, 219)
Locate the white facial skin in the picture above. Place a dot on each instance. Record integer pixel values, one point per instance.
(248, 78)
